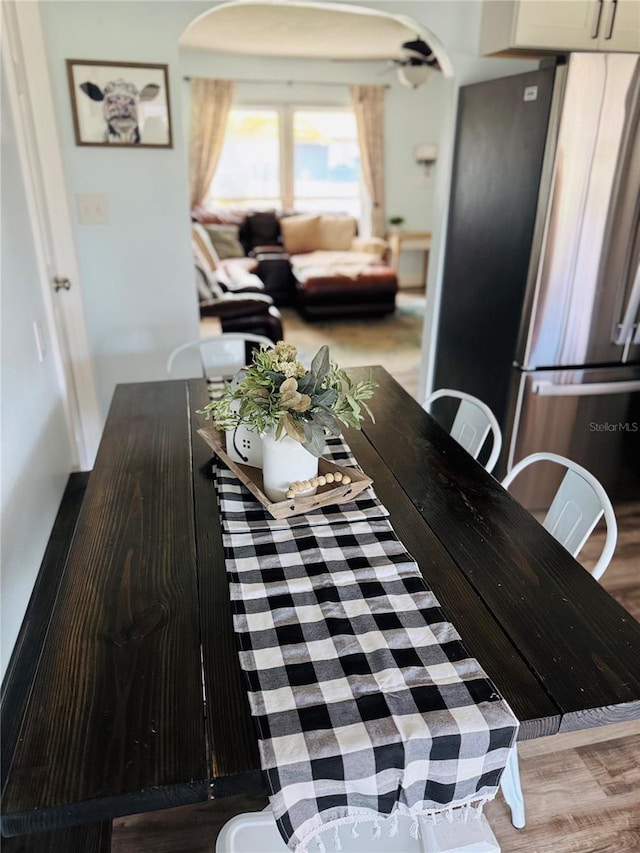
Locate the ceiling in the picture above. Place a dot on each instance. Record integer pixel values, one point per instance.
(298, 31)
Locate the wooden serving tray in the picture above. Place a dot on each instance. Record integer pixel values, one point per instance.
(334, 493)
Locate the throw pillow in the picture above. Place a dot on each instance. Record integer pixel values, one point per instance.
(375, 245)
(300, 233)
(336, 233)
(202, 244)
(225, 241)
(260, 229)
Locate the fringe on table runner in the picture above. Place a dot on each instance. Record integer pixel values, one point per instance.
(460, 813)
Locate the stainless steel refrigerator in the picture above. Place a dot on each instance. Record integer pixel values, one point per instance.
(539, 313)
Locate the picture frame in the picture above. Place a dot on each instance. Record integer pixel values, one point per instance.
(120, 104)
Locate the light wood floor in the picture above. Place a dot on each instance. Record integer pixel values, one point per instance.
(582, 790)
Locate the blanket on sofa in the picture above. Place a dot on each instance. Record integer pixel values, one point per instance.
(320, 263)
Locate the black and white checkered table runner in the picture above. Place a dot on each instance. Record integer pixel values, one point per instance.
(365, 700)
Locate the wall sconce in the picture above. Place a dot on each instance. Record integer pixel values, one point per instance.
(426, 155)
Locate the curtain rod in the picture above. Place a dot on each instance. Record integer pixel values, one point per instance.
(293, 82)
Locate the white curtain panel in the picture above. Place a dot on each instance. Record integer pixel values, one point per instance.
(368, 106)
(210, 104)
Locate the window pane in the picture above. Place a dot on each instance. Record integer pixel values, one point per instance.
(352, 206)
(248, 173)
(326, 161)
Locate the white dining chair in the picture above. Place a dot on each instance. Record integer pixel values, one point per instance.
(222, 356)
(472, 424)
(248, 833)
(578, 505)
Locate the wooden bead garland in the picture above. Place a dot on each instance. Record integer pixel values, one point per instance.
(323, 480)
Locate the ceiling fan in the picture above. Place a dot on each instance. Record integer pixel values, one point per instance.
(416, 64)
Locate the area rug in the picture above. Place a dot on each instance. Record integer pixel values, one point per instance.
(393, 341)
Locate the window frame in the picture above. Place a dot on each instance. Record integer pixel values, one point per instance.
(286, 167)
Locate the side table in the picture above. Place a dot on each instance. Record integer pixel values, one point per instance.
(403, 241)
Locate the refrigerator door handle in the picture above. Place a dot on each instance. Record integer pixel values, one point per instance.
(545, 388)
(625, 330)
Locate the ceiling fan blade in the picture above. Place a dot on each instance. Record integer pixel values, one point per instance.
(419, 50)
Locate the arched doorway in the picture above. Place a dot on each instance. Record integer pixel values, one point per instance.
(266, 49)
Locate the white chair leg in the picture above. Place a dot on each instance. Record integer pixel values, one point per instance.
(512, 790)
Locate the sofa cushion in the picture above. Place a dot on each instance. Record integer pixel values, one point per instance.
(260, 228)
(336, 233)
(225, 240)
(345, 263)
(300, 233)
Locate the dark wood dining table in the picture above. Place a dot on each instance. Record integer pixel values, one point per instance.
(137, 700)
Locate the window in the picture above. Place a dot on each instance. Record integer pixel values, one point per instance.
(292, 158)
(249, 165)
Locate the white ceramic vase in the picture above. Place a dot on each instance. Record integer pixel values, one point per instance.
(284, 462)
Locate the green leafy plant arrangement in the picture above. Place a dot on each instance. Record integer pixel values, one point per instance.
(396, 220)
(277, 390)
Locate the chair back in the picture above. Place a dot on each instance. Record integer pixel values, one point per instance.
(222, 356)
(472, 424)
(577, 507)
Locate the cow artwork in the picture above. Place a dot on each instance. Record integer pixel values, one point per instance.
(120, 106)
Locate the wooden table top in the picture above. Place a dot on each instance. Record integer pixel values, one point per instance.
(141, 636)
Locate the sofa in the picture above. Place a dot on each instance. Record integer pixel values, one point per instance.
(229, 290)
(316, 262)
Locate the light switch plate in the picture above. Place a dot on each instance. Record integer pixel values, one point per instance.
(93, 208)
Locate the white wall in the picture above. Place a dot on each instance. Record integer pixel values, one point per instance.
(36, 456)
(136, 270)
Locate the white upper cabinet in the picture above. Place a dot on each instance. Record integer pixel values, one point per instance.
(560, 25)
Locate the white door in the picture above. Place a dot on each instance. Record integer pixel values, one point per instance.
(27, 76)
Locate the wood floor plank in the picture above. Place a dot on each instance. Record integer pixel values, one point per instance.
(614, 765)
(571, 804)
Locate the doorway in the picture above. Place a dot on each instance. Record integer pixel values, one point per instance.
(298, 77)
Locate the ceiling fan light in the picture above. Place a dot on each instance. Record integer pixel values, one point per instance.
(413, 75)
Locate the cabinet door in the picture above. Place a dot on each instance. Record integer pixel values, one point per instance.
(620, 26)
(562, 25)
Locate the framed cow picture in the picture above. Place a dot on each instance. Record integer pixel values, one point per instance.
(120, 104)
